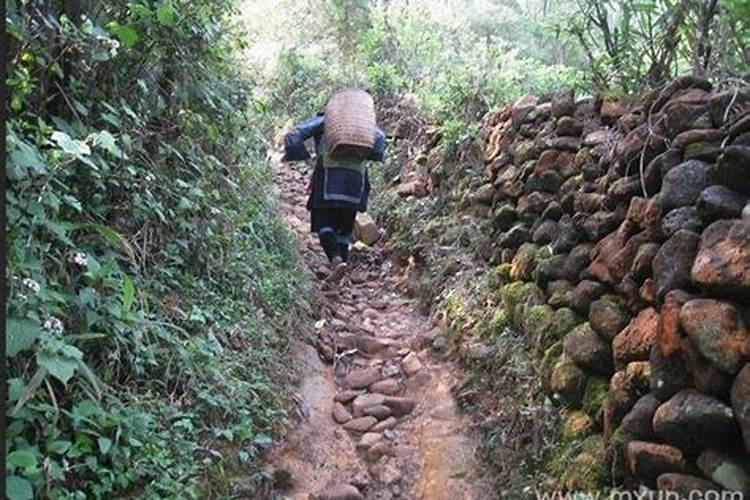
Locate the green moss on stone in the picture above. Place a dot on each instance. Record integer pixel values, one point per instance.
(597, 389)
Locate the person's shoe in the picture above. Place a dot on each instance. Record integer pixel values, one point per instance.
(338, 269)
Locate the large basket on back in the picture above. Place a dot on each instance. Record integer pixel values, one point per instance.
(350, 124)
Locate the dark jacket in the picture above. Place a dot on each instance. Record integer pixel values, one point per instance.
(331, 187)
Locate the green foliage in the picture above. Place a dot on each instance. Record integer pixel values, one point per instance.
(150, 284)
(454, 134)
(632, 45)
(459, 61)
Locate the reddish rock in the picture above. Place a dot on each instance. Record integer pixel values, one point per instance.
(414, 188)
(648, 461)
(613, 255)
(625, 388)
(388, 423)
(588, 350)
(341, 492)
(571, 144)
(347, 395)
(567, 164)
(647, 292)
(563, 103)
(635, 341)
(697, 135)
(521, 109)
(607, 316)
(362, 424)
(720, 101)
(668, 333)
(340, 414)
(682, 113)
(364, 401)
(673, 261)
(361, 379)
(612, 110)
(400, 406)
(569, 126)
(723, 260)
(378, 411)
(389, 387)
(631, 147)
(718, 330)
(684, 485)
(692, 421)
(596, 137)
(641, 267)
(741, 402)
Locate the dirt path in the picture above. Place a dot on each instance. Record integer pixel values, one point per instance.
(399, 433)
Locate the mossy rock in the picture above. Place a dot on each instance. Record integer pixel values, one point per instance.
(588, 471)
(616, 453)
(513, 294)
(524, 262)
(537, 323)
(564, 320)
(577, 425)
(548, 268)
(568, 382)
(501, 274)
(547, 363)
(499, 322)
(595, 395)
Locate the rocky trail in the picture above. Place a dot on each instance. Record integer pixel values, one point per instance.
(376, 416)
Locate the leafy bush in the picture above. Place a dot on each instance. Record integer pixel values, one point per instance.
(150, 285)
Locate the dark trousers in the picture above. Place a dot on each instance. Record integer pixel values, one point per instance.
(334, 226)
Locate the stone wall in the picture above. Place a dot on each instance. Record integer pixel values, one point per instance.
(621, 231)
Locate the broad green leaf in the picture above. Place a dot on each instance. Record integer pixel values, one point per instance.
(24, 156)
(126, 34)
(104, 444)
(165, 14)
(128, 294)
(18, 488)
(22, 458)
(73, 202)
(20, 335)
(60, 366)
(71, 146)
(58, 447)
(107, 141)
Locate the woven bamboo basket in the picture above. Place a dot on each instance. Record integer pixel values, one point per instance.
(350, 124)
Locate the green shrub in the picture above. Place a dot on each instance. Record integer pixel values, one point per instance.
(150, 284)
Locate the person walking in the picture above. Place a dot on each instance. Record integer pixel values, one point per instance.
(339, 188)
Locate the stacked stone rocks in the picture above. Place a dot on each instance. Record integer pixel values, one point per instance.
(623, 235)
(371, 405)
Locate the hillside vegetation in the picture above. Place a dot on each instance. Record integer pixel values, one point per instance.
(153, 289)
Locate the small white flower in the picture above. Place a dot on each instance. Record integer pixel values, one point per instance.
(113, 46)
(79, 259)
(31, 285)
(54, 325)
(214, 211)
(150, 178)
